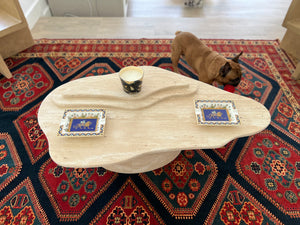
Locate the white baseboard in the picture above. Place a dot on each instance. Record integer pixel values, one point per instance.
(33, 10)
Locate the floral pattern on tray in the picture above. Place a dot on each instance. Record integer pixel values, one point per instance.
(216, 113)
(82, 123)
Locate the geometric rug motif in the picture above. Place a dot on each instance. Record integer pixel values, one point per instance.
(130, 61)
(131, 48)
(28, 83)
(182, 185)
(64, 67)
(95, 70)
(285, 117)
(10, 163)
(21, 206)
(285, 107)
(73, 190)
(259, 63)
(128, 206)
(12, 62)
(225, 151)
(32, 136)
(253, 85)
(272, 166)
(234, 205)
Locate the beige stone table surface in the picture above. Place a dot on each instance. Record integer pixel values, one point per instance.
(143, 131)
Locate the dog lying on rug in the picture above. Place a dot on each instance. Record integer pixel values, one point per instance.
(209, 65)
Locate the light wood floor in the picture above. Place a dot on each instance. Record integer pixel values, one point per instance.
(236, 19)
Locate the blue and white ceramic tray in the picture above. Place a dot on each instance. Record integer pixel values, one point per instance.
(82, 123)
(216, 113)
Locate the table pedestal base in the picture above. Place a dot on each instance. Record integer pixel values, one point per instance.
(144, 163)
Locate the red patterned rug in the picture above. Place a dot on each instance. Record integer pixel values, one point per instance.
(251, 180)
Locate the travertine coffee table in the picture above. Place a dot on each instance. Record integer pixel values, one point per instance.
(143, 131)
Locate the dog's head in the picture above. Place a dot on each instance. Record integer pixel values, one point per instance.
(231, 72)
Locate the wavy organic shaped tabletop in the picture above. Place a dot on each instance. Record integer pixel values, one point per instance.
(143, 131)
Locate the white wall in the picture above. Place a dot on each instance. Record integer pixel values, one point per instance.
(34, 9)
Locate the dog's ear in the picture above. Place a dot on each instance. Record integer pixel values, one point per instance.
(225, 69)
(236, 59)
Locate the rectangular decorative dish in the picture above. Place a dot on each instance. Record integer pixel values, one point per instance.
(216, 113)
(82, 123)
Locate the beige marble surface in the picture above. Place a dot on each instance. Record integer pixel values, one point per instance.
(143, 131)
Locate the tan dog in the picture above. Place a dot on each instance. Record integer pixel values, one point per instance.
(209, 65)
